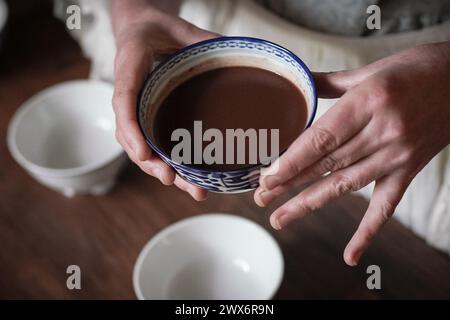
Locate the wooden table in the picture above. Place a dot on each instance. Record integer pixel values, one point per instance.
(42, 232)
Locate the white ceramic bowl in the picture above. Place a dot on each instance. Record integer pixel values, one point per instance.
(64, 137)
(213, 256)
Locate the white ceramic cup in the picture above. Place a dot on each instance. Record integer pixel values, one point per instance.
(64, 138)
(212, 256)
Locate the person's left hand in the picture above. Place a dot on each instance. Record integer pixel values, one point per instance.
(144, 33)
(392, 119)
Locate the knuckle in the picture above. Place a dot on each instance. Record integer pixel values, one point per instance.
(396, 130)
(405, 156)
(128, 45)
(120, 91)
(123, 55)
(121, 98)
(291, 166)
(387, 209)
(116, 101)
(381, 93)
(344, 184)
(329, 163)
(299, 205)
(369, 234)
(400, 129)
(323, 141)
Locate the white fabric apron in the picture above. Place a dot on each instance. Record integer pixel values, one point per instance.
(425, 207)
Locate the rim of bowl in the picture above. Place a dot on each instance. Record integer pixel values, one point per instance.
(47, 171)
(220, 39)
(3, 14)
(159, 236)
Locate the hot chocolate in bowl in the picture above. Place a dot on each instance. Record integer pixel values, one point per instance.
(222, 84)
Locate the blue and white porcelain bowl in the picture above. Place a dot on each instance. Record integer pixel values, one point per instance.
(211, 54)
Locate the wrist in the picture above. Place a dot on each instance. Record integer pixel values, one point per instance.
(125, 14)
(131, 12)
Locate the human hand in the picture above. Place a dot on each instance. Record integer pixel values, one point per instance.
(143, 33)
(392, 119)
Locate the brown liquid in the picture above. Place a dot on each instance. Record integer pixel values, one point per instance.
(232, 98)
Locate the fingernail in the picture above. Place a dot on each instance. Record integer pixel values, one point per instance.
(352, 263)
(275, 222)
(355, 260)
(158, 174)
(283, 220)
(265, 197)
(350, 260)
(270, 182)
(258, 197)
(164, 178)
(192, 193)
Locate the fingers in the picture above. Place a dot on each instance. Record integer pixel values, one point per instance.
(385, 198)
(264, 197)
(353, 150)
(158, 169)
(133, 62)
(333, 129)
(199, 194)
(329, 188)
(332, 85)
(153, 166)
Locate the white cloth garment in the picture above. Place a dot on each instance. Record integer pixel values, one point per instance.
(95, 36)
(425, 208)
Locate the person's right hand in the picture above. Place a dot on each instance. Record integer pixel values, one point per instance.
(392, 118)
(145, 34)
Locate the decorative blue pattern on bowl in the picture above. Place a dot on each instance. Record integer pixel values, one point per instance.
(230, 181)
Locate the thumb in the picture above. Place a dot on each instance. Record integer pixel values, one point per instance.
(332, 85)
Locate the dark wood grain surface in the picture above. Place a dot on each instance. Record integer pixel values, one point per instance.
(42, 232)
